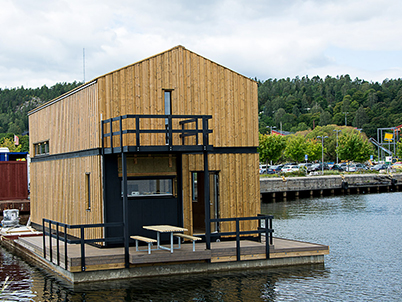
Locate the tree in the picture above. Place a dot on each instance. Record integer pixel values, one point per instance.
(296, 148)
(8, 143)
(360, 118)
(354, 147)
(325, 118)
(271, 147)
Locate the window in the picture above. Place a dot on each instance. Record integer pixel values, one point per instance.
(41, 148)
(149, 187)
(168, 111)
(88, 190)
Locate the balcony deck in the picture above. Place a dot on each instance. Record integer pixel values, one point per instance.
(225, 251)
(156, 133)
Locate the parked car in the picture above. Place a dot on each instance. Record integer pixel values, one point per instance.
(380, 167)
(318, 167)
(337, 167)
(397, 166)
(274, 169)
(263, 169)
(290, 168)
(304, 166)
(355, 167)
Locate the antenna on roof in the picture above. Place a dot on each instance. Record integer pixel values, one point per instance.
(83, 62)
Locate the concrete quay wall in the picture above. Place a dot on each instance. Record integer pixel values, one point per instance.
(329, 184)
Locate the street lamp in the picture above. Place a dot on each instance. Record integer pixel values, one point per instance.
(337, 131)
(271, 127)
(322, 148)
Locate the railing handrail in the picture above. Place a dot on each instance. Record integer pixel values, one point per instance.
(167, 129)
(268, 230)
(81, 239)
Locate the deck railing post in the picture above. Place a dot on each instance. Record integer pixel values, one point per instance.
(50, 241)
(237, 239)
(111, 135)
(65, 246)
(121, 132)
(267, 238)
(271, 233)
(58, 243)
(82, 241)
(44, 238)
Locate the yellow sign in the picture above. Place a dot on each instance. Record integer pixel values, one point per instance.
(388, 137)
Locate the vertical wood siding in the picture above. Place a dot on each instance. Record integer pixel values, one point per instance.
(199, 87)
(71, 124)
(58, 192)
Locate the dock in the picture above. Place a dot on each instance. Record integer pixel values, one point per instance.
(108, 263)
(282, 188)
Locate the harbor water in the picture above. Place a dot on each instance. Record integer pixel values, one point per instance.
(364, 233)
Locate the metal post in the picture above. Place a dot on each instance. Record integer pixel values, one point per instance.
(125, 210)
(206, 201)
(237, 239)
(44, 238)
(65, 247)
(206, 184)
(82, 249)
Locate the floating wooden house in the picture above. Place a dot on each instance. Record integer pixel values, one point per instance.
(171, 139)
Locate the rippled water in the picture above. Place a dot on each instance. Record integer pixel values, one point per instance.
(364, 233)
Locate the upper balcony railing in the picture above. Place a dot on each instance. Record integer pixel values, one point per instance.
(156, 133)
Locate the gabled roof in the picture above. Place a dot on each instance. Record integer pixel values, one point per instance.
(83, 86)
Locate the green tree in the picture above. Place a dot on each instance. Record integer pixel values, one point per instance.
(325, 118)
(271, 147)
(354, 146)
(360, 118)
(8, 143)
(296, 148)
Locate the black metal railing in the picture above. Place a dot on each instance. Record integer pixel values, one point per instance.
(53, 231)
(263, 228)
(169, 126)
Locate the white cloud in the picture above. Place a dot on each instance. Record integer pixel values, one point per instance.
(41, 42)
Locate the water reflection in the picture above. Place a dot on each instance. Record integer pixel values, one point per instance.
(247, 285)
(363, 232)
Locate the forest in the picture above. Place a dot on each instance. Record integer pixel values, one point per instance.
(302, 103)
(15, 103)
(292, 105)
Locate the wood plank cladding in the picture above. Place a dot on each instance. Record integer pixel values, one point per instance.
(71, 124)
(59, 192)
(198, 87)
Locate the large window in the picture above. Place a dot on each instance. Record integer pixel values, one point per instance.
(149, 187)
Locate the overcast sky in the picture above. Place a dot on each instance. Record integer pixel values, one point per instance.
(42, 42)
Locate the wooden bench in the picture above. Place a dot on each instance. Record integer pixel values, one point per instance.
(184, 236)
(149, 241)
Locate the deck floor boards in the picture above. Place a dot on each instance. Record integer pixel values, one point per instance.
(109, 258)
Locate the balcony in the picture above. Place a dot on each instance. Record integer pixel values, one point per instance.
(156, 133)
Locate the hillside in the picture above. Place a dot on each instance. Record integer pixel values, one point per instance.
(301, 104)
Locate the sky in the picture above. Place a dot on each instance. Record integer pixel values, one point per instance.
(44, 42)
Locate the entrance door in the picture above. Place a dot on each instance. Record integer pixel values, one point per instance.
(198, 201)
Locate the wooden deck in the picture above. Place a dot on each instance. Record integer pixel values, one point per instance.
(224, 251)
